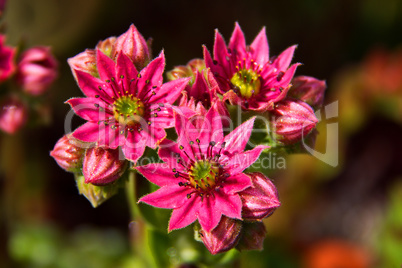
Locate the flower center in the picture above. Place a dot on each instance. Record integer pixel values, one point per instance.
(127, 110)
(247, 82)
(203, 174)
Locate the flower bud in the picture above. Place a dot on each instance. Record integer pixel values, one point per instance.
(193, 67)
(86, 61)
(68, 153)
(252, 236)
(261, 199)
(102, 166)
(133, 44)
(37, 69)
(308, 89)
(291, 121)
(223, 237)
(13, 116)
(7, 66)
(95, 194)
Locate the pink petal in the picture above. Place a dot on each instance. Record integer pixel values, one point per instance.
(232, 97)
(287, 77)
(237, 43)
(220, 55)
(209, 213)
(168, 153)
(237, 140)
(236, 183)
(186, 214)
(92, 86)
(212, 128)
(86, 109)
(153, 136)
(106, 66)
(282, 62)
(151, 75)
(111, 137)
(259, 49)
(88, 132)
(164, 118)
(159, 173)
(170, 91)
(170, 196)
(186, 133)
(241, 161)
(134, 147)
(229, 205)
(125, 72)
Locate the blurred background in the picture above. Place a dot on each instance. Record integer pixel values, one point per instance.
(348, 216)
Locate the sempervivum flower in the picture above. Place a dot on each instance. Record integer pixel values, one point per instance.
(7, 65)
(68, 153)
(246, 75)
(13, 115)
(203, 173)
(37, 69)
(125, 107)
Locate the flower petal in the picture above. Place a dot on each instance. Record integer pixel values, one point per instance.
(282, 62)
(88, 132)
(135, 146)
(170, 196)
(125, 72)
(211, 130)
(187, 133)
(186, 214)
(241, 161)
(209, 213)
(170, 91)
(168, 152)
(151, 75)
(259, 49)
(236, 183)
(89, 109)
(106, 66)
(237, 140)
(160, 174)
(229, 205)
(92, 86)
(237, 43)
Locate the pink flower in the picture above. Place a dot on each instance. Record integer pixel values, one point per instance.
(308, 89)
(68, 153)
(246, 75)
(7, 66)
(13, 115)
(125, 107)
(37, 69)
(203, 172)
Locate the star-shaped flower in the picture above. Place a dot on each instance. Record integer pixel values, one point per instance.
(247, 76)
(203, 172)
(125, 107)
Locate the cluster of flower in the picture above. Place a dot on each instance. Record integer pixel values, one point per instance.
(128, 107)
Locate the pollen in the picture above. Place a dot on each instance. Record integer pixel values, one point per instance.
(128, 110)
(204, 174)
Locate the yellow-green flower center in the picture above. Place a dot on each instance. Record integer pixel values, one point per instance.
(203, 174)
(128, 110)
(247, 82)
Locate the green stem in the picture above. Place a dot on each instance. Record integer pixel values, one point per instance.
(131, 192)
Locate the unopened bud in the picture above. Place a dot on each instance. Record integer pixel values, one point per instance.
(292, 121)
(37, 69)
(193, 67)
(259, 200)
(102, 166)
(7, 66)
(132, 44)
(13, 115)
(252, 237)
(308, 89)
(68, 154)
(223, 237)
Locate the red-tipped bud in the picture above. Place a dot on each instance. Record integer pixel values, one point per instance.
(86, 61)
(7, 66)
(193, 67)
(68, 153)
(291, 121)
(308, 89)
(261, 199)
(103, 166)
(133, 44)
(37, 69)
(13, 116)
(252, 237)
(223, 237)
